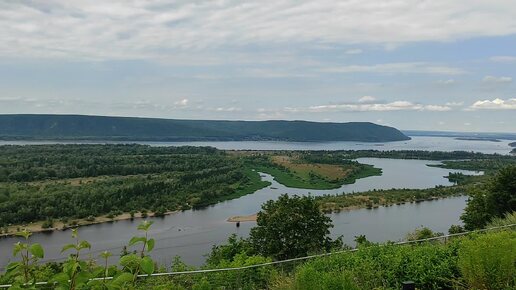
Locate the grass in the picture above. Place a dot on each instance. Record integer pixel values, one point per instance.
(292, 173)
(483, 261)
(303, 170)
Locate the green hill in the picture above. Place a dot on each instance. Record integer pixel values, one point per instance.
(79, 127)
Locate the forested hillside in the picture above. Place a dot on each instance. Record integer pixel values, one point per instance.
(122, 128)
(78, 181)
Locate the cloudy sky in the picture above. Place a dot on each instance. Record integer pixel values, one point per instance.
(412, 64)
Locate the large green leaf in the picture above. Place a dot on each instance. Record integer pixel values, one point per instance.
(12, 266)
(135, 240)
(37, 251)
(147, 265)
(150, 244)
(60, 278)
(17, 248)
(130, 260)
(68, 247)
(105, 255)
(84, 245)
(122, 279)
(82, 278)
(25, 234)
(144, 226)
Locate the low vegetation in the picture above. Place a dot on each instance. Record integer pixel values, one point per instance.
(388, 197)
(295, 171)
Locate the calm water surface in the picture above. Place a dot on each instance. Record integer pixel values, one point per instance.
(190, 234)
(417, 143)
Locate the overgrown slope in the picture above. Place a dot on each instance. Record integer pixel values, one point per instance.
(124, 128)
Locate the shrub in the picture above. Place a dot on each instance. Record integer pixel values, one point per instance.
(488, 261)
(47, 224)
(422, 233)
(509, 219)
(455, 229)
(430, 266)
(309, 278)
(292, 227)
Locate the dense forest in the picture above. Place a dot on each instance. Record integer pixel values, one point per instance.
(404, 154)
(78, 181)
(77, 127)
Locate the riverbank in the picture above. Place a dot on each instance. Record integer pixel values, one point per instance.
(255, 183)
(37, 227)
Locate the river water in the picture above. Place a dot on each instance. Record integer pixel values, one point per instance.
(416, 143)
(190, 234)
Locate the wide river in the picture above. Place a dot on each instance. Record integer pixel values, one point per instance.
(190, 234)
(416, 143)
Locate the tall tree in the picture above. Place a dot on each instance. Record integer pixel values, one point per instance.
(292, 227)
(498, 199)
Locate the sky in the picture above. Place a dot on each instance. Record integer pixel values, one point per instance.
(444, 65)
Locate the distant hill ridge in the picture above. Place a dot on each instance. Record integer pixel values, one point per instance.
(81, 127)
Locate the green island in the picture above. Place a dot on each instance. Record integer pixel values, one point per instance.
(298, 170)
(376, 198)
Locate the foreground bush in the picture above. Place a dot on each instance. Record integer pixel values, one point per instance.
(486, 261)
(385, 267)
(489, 261)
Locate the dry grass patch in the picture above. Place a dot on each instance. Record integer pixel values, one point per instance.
(328, 171)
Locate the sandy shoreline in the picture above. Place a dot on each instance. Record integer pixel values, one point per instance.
(242, 218)
(36, 227)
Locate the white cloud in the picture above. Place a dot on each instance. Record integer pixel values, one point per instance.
(118, 29)
(436, 108)
(229, 109)
(393, 68)
(183, 103)
(366, 99)
(353, 51)
(496, 104)
(447, 82)
(454, 104)
(505, 59)
(369, 107)
(496, 80)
